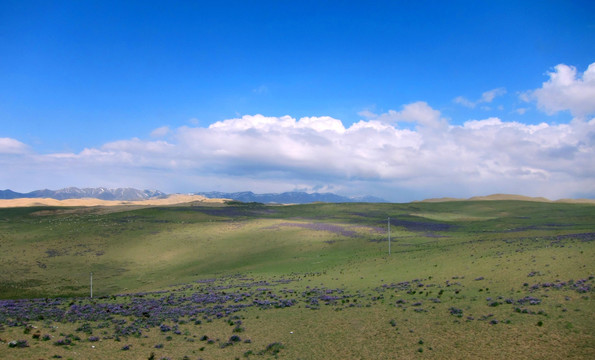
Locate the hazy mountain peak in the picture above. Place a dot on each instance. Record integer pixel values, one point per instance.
(123, 194)
(290, 197)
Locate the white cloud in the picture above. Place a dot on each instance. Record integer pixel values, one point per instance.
(464, 101)
(255, 122)
(368, 114)
(12, 146)
(566, 91)
(160, 132)
(418, 112)
(373, 156)
(486, 97)
(321, 123)
(267, 124)
(489, 96)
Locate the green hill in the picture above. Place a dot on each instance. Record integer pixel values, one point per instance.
(481, 279)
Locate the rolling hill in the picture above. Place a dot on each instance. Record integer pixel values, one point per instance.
(465, 279)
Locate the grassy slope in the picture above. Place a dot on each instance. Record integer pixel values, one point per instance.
(470, 250)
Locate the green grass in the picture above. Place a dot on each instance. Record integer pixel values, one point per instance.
(49, 252)
(463, 253)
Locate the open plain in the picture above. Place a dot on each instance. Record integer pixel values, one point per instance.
(481, 279)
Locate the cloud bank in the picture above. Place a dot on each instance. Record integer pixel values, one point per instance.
(371, 156)
(400, 155)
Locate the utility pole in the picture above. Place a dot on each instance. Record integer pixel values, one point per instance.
(91, 285)
(389, 235)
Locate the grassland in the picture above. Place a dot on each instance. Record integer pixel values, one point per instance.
(477, 279)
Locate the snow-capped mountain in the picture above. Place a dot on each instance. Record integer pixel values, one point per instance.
(123, 194)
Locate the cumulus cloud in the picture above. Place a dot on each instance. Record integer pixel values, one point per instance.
(566, 90)
(373, 156)
(486, 97)
(267, 124)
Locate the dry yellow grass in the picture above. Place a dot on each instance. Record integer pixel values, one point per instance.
(170, 200)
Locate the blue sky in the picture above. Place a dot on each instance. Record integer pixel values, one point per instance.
(151, 94)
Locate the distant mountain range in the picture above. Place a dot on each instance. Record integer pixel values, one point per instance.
(122, 194)
(130, 194)
(293, 197)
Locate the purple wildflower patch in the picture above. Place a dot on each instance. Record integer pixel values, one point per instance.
(455, 312)
(18, 344)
